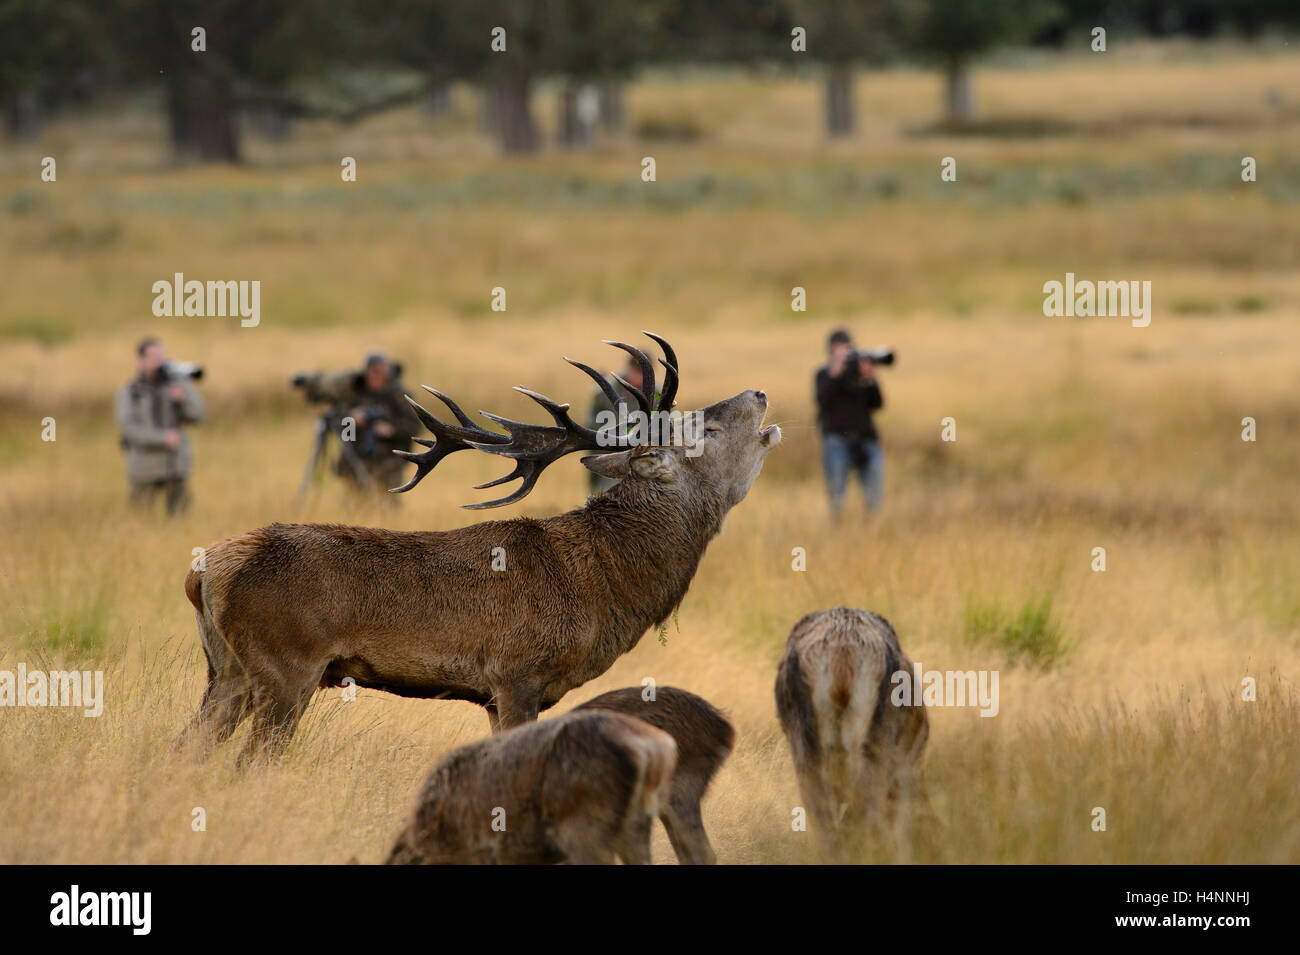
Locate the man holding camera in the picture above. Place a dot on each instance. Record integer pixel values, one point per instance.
(847, 394)
(150, 411)
(370, 416)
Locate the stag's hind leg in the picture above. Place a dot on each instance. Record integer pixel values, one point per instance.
(225, 704)
(277, 709)
(226, 699)
(274, 722)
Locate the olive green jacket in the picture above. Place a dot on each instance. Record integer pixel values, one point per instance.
(145, 412)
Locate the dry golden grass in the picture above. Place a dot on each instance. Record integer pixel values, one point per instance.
(1072, 434)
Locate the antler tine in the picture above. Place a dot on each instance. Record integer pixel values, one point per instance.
(534, 447)
(463, 418)
(619, 437)
(530, 471)
(642, 401)
(599, 379)
(450, 439)
(669, 361)
(560, 412)
(450, 432)
(645, 395)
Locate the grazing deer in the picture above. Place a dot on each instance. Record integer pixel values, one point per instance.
(851, 745)
(704, 740)
(507, 614)
(583, 788)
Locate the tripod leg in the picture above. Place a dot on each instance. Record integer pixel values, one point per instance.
(358, 468)
(313, 460)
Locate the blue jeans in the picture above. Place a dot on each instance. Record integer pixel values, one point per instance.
(842, 453)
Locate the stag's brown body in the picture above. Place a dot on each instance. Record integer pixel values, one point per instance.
(704, 740)
(582, 788)
(853, 748)
(289, 608)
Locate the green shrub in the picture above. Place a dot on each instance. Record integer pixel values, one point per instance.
(1029, 633)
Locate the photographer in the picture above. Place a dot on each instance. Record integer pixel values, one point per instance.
(150, 410)
(631, 373)
(381, 420)
(847, 394)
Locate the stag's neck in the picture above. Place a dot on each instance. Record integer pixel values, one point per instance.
(647, 546)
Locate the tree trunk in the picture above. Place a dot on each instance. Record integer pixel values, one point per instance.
(209, 115)
(570, 129)
(437, 101)
(518, 131)
(23, 114)
(839, 99)
(612, 113)
(489, 115)
(961, 100)
(201, 105)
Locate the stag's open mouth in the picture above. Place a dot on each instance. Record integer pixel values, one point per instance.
(770, 436)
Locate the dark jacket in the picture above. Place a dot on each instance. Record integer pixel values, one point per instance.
(348, 390)
(845, 404)
(145, 412)
(600, 403)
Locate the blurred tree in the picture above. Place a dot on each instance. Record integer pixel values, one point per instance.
(48, 53)
(434, 38)
(578, 41)
(597, 42)
(253, 48)
(747, 32)
(1198, 18)
(1205, 18)
(465, 41)
(955, 32)
(842, 34)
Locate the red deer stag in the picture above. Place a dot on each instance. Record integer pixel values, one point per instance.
(583, 788)
(704, 739)
(507, 614)
(850, 744)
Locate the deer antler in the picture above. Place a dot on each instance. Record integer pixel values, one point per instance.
(534, 447)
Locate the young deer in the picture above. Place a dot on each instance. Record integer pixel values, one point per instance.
(704, 740)
(584, 787)
(851, 745)
(507, 614)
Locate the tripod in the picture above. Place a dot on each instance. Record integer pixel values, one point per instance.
(329, 423)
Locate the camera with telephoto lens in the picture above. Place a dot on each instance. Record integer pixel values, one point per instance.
(179, 370)
(879, 355)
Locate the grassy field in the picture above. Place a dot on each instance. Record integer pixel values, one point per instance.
(1119, 689)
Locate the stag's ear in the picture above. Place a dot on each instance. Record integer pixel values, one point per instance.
(613, 465)
(657, 465)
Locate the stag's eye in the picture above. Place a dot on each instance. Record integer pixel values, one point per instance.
(711, 427)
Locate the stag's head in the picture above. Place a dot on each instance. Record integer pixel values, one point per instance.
(719, 448)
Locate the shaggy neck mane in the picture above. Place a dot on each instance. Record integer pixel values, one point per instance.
(645, 543)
